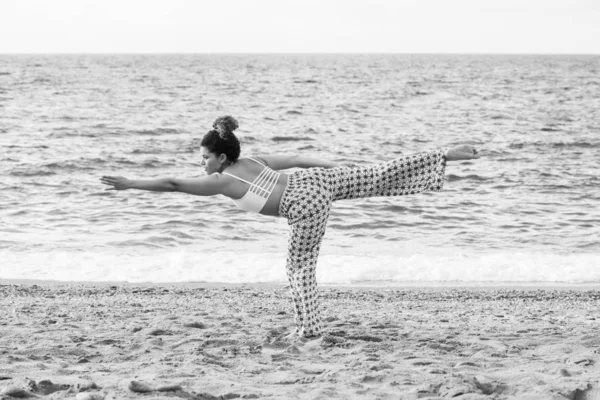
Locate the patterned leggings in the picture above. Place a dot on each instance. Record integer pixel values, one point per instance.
(306, 203)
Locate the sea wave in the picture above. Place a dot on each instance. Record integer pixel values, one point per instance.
(31, 171)
(155, 132)
(291, 138)
(585, 145)
(470, 177)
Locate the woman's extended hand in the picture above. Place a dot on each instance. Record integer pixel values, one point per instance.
(462, 152)
(118, 182)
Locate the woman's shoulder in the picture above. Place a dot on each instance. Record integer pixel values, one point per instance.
(255, 159)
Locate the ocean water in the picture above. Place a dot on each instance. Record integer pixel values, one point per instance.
(526, 212)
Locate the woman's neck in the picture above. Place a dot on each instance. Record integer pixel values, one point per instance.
(225, 165)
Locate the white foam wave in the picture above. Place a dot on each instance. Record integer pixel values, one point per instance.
(200, 265)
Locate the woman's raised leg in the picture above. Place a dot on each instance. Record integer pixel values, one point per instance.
(401, 176)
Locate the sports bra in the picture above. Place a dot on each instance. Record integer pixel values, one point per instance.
(260, 189)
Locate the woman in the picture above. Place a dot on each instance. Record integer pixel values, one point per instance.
(303, 197)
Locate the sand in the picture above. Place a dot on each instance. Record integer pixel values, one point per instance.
(86, 341)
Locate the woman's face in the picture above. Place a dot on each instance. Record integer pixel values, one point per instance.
(211, 162)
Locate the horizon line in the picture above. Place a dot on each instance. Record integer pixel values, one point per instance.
(303, 53)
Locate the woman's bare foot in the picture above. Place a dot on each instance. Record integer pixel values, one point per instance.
(292, 336)
(462, 152)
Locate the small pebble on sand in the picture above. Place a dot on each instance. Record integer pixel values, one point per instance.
(86, 386)
(90, 396)
(197, 325)
(169, 388)
(17, 392)
(140, 387)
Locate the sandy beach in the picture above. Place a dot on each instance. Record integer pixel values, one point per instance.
(103, 341)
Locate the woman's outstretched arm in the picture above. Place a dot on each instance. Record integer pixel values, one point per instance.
(281, 161)
(205, 186)
(154, 185)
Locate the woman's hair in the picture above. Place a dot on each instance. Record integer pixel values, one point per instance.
(221, 139)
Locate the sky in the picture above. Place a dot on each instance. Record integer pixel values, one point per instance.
(300, 26)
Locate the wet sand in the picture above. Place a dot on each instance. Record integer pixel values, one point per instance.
(115, 341)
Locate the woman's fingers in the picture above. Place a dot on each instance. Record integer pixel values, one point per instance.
(111, 181)
(118, 182)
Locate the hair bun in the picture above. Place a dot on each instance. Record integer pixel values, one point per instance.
(225, 125)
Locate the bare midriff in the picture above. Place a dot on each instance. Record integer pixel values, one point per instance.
(272, 205)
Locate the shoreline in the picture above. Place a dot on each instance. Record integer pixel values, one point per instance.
(426, 285)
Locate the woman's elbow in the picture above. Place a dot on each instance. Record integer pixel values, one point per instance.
(300, 161)
(172, 185)
(296, 161)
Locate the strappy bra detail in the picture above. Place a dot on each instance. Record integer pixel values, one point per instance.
(260, 189)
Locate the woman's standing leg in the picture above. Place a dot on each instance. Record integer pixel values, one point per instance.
(307, 216)
(303, 252)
